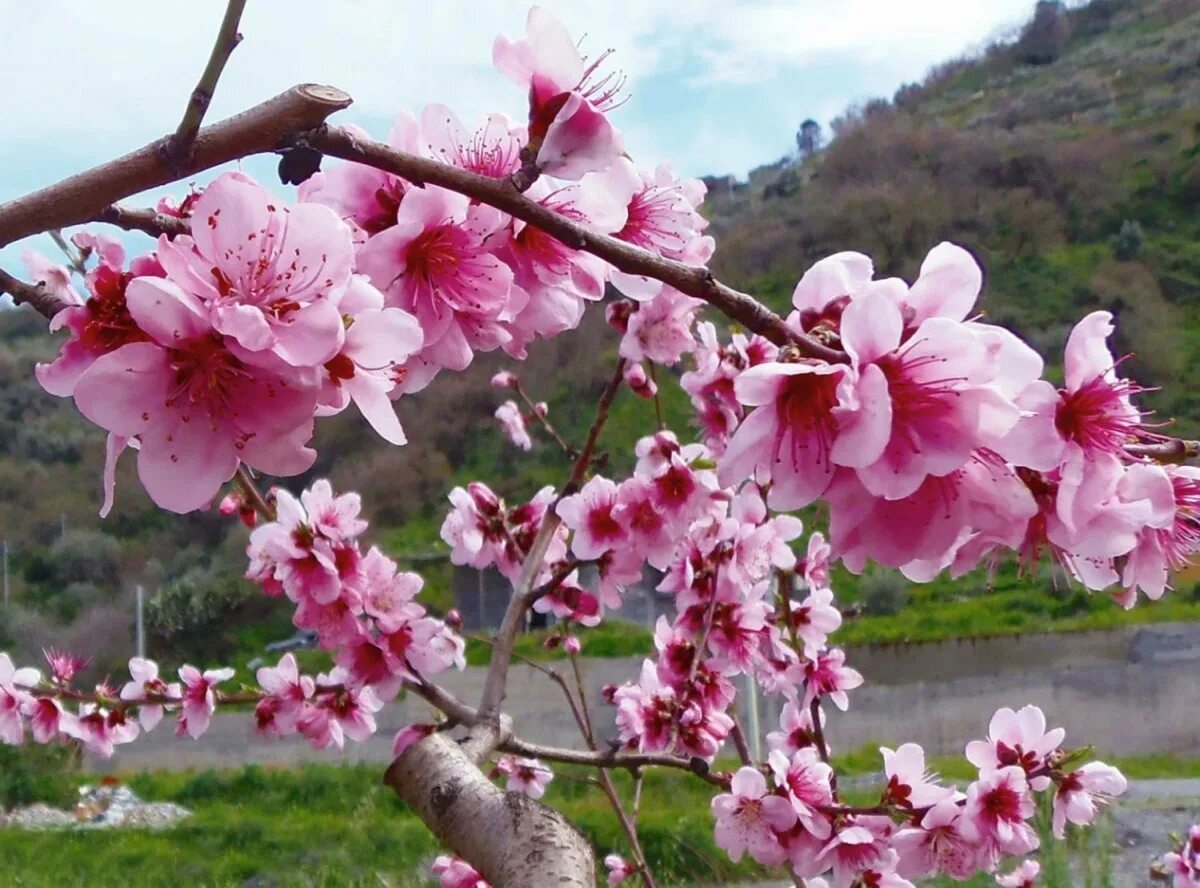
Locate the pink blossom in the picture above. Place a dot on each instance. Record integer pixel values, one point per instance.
(98, 326)
(796, 730)
(410, 736)
(199, 697)
(196, 407)
(513, 424)
(504, 379)
(662, 218)
(917, 407)
(146, 683)
(648, 529)
(492, 149)
(269, 275)
(646, 711)
(570, 601)
(789, 438)
(807, 781)
(661, 329)
(589, 514)
(370, 364)
(997, 812)
(1020, 739)
(748, 819)
(860, 845)
(1160, 550)
(1024, 876)
(816, 564)
(711, 383)
(437, 263)
(619, 869)
(453, 872)
(527, 776)
(46, 718)
(815, 618)
(335, 715)
(13, 698)
(108, 250)
(828, 675)
(1080, 793)
(100, 730)
(826, 288)
(362, 195)
(308, 549)
(64, 666)
(54, 277)
(289, 691)
(909, 784)
(937, 845)
(568, 98)
(639, 383)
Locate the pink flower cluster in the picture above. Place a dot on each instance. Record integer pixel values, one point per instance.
(360, 606)
(1182, 865)
(939, 444)
(220, 348)
(920, 827)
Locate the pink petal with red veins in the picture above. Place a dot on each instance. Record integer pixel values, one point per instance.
(231, 208)
(871, 327)
(377, 408)
(948, 284)
(165, 311)
(183, 466)
(125, 390)
(1087, 355)
(378, 338)
(311, 335)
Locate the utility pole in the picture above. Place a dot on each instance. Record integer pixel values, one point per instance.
(141, 633)
(4, 548)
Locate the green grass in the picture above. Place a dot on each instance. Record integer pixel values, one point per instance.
(330, 825)
(612, 638)
(334, 826)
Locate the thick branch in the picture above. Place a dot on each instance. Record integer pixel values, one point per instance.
(500, 193)
(85, 196)
(179, 146)
(510, 838)
(524, 592)
(37, 295)
(151, 222)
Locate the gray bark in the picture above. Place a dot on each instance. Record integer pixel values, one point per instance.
(512, 840)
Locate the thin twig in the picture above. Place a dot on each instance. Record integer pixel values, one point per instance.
(1173, 450)
(178, 148)
(550, 430)
(253, 495)
(690, 279)
(523, 590)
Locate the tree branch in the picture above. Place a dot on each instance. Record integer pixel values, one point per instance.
(501, 194)
(151, 222)
(524, 591)
(1173, 450)
(85, 196)
(178, 148)
(510, 838)
(43, 301)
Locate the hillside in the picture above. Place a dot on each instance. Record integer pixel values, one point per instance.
(1067, 159)
(1076, 182)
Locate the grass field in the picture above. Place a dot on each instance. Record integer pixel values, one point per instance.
(321, 826)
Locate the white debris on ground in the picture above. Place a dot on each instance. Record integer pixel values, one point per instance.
(99, 807)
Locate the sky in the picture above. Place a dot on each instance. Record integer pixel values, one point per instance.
(714, 86)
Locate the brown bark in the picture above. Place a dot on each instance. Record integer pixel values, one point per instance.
(85, 196)
(513, 840)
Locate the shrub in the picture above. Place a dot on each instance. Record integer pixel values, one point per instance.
(883, 593)
(1128, 242)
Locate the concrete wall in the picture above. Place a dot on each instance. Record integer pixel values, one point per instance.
(1126, 691)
